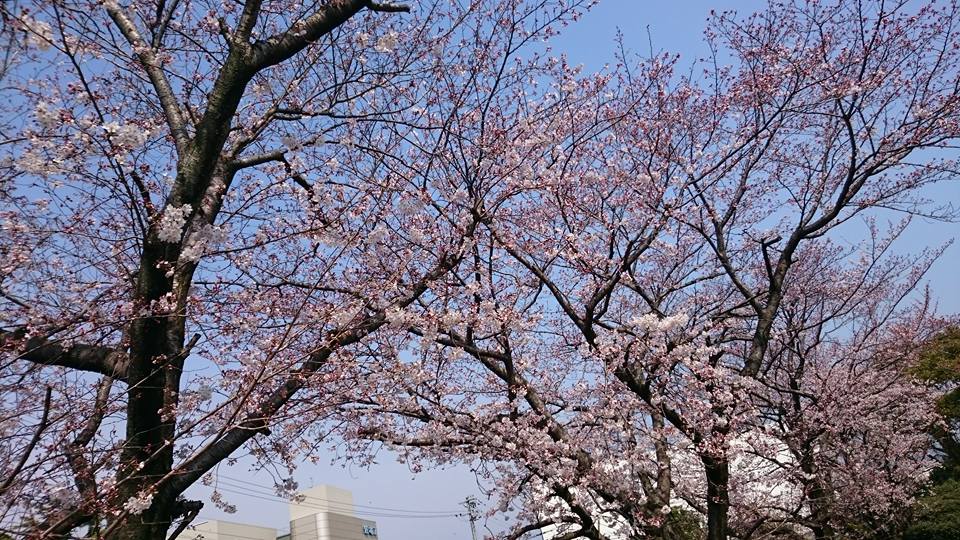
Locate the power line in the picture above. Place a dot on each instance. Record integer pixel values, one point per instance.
(274, 498)
(341, 503)
(361, 513)
(329, 504)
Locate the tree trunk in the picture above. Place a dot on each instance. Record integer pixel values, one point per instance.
(824, 532)
(152, 524)
(153, 378)
(718, 499)
(819, 504)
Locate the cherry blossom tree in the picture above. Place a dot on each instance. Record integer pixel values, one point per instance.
(208, 208)
(257, 227)
(671, 312)
(844, 430)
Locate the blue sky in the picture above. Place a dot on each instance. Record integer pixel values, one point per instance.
(673, 26)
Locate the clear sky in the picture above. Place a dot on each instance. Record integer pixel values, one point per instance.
(673, 26)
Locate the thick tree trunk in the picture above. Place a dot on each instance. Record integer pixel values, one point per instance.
(817, 493)
(718, 499)
(824, 532)
(156, 345)
(152, 524)
(819, 504)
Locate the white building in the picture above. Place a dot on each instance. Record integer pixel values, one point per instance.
(227, 530)
(762, 483)
(326, 513)
(320, 513)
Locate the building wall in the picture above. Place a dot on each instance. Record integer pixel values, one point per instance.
(321, 498)
(332, 526)
(304, 528)
(321, 513)
(326, 513)
(227, 530)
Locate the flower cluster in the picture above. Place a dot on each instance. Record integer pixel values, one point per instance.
(172, 222)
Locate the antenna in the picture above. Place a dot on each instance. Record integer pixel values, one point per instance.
(470, 503)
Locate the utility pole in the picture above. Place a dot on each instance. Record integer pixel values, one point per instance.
(470, 503)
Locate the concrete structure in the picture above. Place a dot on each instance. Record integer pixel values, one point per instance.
(227, 530)
(762, 483)
(326, 513)
(320, 513)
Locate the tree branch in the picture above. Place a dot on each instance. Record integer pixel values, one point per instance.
(149, 62)
(280, 47)
(84, 475)
(189, 511)
(92, 358)
(41, 427)
(259, 420)
(387, 7)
